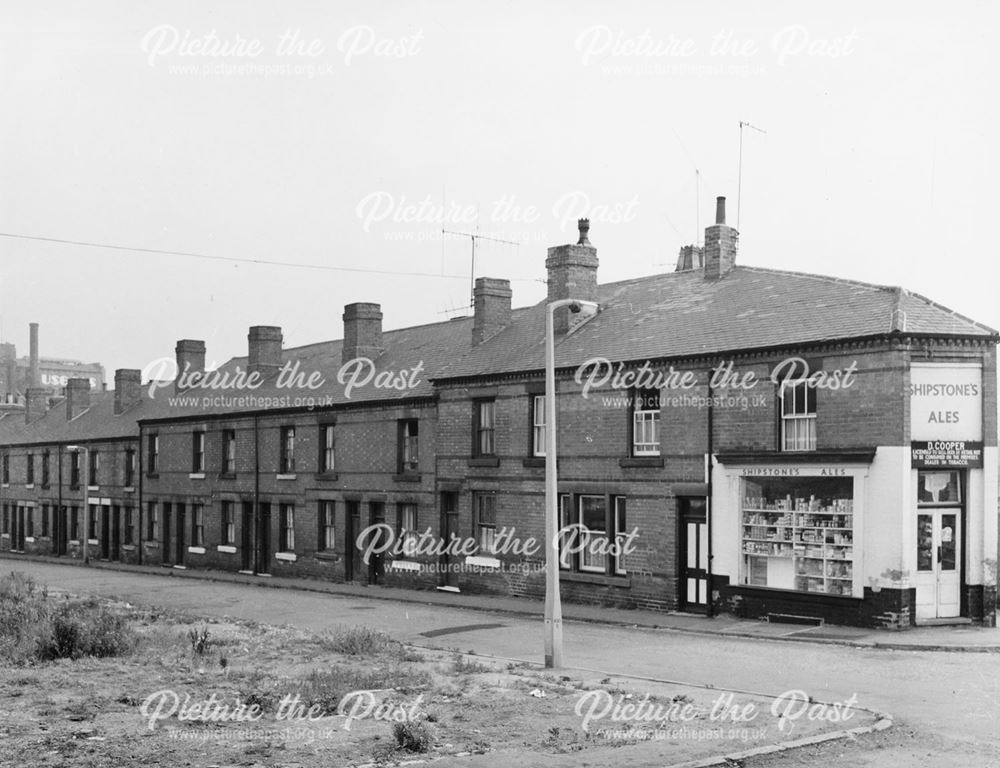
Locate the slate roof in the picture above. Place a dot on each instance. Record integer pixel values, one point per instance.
(672, 315)
(680, 314)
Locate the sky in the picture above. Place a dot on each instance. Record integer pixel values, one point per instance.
(346, 135)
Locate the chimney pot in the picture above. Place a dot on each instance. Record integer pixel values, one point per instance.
(583, 225)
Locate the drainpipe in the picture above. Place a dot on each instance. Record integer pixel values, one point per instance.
(60, 531)
(140, 541)
(255, 562)
(708, 499)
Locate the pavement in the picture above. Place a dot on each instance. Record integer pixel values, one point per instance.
(960, 637)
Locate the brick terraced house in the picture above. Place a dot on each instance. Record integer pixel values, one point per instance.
(730, 438)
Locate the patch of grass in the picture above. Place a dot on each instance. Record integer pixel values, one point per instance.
(200, 639)
(357, 641)
(328, 686)
(464, 666)
(413, 736)
(34, 627)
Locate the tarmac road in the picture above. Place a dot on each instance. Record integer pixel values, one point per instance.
(944, 704)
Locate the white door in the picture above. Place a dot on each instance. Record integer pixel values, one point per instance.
(939, 553)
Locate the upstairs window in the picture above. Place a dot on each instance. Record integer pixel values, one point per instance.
(153, 454)
(287, 457)
(95, 465)
(229, 451)
(646, 422)
(409, 446)
(538, 425)
(485, 427)
(798, 417)
(129, 467)
(30, 470)
(198, 452)
(46, 474)
(328, 454)
(74, 469)
(6, 469)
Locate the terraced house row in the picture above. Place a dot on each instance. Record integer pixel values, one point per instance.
(730, 438)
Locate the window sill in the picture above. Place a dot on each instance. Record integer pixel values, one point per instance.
(46, 486)
(753, 590)
(482, 561)
(29, 486)
(485, 461)
(288, 557)
(29, 539)
(196, 476)
(227, 548)
(327, 556)
(641, 461)
(128, 489)
(285, 476)
(326, 477)
(196, 550)
(407, 477)
(92, 488)
(4, 485)
(594, 578)
(153, 475)
(128, 547)
(404, 565)
(534, 461)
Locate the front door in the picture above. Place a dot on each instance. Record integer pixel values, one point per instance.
(180, 546)
(167, 512)
(352, 555)
(939, 556)
(18, 537)
(105, 531)
(449, 530)
(246, 537)
(116, 532)
(264, 539)
(693, 555)
(376, 564)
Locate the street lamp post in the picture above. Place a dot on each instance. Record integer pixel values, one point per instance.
(78, 450)
(553, 604)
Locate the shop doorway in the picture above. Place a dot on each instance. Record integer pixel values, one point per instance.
(938, 579)
(693, 555)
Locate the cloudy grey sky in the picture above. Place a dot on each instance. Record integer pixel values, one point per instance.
(346, 134)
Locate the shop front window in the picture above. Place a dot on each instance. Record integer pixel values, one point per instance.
(798, 534)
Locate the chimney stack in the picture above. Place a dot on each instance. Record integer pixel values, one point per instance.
(265, 350)
(721, 243)
(36, 402)
(491, 299)
(128, 389)
(362, 331)
(572, 272)
(77, 397)
(190, 356)
(34, 380)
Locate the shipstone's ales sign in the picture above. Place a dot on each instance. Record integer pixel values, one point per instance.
(949, 454)
(946, 402)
